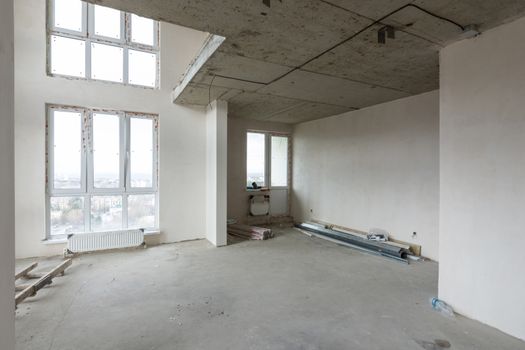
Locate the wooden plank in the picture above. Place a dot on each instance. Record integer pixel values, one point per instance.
(26, 270)
(21, 287)
(42, 282)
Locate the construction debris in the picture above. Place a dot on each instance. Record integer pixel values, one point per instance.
(250, 232)
(25, 272)
(31, 289)
(357, 241)
(377, 234)
(414, 249)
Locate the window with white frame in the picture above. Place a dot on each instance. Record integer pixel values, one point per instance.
(99, 43)
(267, 157)
(101, 170)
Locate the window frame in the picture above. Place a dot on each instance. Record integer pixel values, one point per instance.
(88, 36)
(87, 189)
(268, 159)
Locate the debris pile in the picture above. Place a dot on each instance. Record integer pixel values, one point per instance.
(250, 232)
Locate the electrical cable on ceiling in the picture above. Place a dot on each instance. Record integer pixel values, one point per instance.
(387, 30)
(209, 89)
(378, 21)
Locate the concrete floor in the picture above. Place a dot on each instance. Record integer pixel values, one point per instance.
(291, 292)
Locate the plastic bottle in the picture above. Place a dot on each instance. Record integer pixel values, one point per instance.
(442, 307)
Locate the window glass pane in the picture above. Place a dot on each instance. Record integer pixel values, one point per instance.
(142, 68)
(279, 167)
(106, 213)
(141, 152)
(106, 150)
(68, 14)
(142, 30)
(68, 56)
(107, 22)
(107, 62)
(67, 150)
(141, 211)
(66, 215)
(255, 159)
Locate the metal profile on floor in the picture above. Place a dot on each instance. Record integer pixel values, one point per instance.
(376, 248)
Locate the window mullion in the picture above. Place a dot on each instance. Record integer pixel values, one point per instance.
(87, 213)
(86, 147)
(125, 72)
(89, 17)
(268, 160)
(124, 211)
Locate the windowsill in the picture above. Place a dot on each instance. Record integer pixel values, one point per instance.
(264, 189)
(52, 241)
(154, 232)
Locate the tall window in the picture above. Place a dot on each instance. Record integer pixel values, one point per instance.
(266, 166)
(102, 170)
(99, 43)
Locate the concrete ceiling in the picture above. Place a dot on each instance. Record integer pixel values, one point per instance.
(301, 60)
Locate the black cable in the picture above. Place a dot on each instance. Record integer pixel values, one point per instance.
(378, 21)
(371, 19)
(360, 32)
(240, 79)
(209, 89)
(437, 16)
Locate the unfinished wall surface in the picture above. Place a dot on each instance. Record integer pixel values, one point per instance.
(7, 210)
(375, 167)
(182, 164)
(482, 142)
(238, 196)
(216, 172)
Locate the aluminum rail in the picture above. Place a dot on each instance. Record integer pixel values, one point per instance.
(377, 248)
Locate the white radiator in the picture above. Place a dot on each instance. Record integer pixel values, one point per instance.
(88, 242)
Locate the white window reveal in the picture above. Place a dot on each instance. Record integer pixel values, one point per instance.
(100, 43)
(102, 170)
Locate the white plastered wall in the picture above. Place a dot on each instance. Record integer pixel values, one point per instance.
(7, 223)
(238, 196)
(182, 165)
(482, 204)
(216, 172)
(375, 167)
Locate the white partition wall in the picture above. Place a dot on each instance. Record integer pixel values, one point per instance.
(7, 215)
(482, 151)
(216, 172)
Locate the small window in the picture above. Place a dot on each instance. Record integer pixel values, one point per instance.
(100, 43)
(256, 159)
(142, 68)
(68, 14)
(267, 160)
(279, 166)
(106, 62)
(141, 153)
(68, 56)
(107, 22)
(142, 30)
